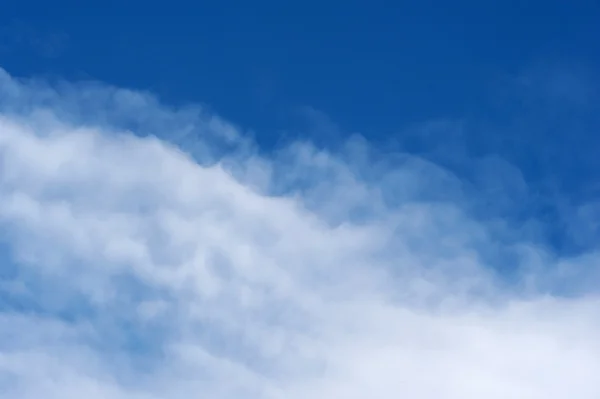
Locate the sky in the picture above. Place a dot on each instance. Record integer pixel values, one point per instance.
(314, 200)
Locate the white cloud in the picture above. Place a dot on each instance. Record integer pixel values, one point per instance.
(143, 271)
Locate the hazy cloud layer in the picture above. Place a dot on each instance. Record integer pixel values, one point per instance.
(151, 252)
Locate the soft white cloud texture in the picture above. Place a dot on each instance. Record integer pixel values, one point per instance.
(154, 253)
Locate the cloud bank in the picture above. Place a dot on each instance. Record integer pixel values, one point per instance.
(150, 252)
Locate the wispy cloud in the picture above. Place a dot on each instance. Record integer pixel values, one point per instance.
(157, 253)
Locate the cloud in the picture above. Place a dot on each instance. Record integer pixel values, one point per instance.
(154, 252)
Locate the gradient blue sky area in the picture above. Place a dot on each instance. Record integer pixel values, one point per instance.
(371, 68)
(447, 139)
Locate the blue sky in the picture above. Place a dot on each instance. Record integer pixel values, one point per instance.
(370, 68)
(287, 201)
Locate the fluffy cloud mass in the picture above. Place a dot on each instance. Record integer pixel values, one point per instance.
(149, 252)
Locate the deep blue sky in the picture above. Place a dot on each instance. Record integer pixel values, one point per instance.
(369, 67)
